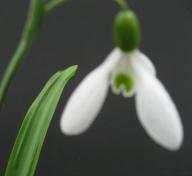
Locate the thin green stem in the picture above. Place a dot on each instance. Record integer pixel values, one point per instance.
(38, 9)
(122, 3)
(11, 69)
(29, 33)
(49, 7)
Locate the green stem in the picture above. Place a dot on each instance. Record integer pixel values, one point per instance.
(38, 9)
(10, 71)
(122, 3)
(49, 7)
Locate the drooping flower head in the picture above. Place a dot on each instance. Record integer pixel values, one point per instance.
(128, 72)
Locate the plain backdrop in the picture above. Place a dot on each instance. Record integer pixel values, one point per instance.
(80, 32)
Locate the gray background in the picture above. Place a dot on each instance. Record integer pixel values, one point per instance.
(79, 32)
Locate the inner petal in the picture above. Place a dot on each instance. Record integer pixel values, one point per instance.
(122, 81)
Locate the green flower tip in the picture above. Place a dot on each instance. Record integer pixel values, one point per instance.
(126, 31)
(122, 83)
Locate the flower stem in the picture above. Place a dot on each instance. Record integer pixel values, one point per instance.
(38, 9)
(49, 7)
(122, 3)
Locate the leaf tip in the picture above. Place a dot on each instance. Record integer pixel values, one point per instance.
(72, 69)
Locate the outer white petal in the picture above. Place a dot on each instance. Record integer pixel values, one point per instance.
(144, 61)
(157, 112)
(88, 98)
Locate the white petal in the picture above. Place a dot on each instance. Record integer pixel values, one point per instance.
(144, 60)
(112, 59)
(157, 112)
(88, 98)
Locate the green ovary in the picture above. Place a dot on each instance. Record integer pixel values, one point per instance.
(123, 80)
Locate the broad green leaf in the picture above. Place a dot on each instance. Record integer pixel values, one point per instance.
(25, 153)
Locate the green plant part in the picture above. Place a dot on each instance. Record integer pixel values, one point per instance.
(126, 31)
(122, 83)
(37, 11)
(25, 153)
(122, 4)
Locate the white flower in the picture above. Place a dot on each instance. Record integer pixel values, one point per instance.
(130, 74)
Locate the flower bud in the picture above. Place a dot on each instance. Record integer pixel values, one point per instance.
(126, 31)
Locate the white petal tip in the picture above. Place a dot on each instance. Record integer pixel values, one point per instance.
(175, 143)
(71, 127)
(69, 130)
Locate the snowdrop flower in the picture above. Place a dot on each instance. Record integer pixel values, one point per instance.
(131, 73)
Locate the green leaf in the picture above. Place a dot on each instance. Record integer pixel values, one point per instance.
(25, 153)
